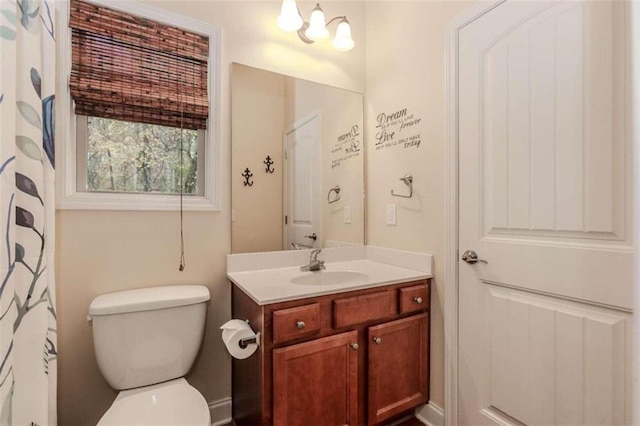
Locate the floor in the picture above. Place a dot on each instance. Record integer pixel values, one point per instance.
(411, 421)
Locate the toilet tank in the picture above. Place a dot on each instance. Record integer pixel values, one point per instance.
(148, 335)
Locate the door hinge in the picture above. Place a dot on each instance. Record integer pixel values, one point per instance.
(286, 219)
(286, 154)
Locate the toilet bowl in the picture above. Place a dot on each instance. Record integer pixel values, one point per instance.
(145, 341)
(175, 402)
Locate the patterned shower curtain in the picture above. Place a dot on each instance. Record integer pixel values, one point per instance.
(27, 209)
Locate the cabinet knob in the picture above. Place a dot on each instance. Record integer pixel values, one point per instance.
(418, 300)
(355, 346)
(300, 325)
(377, 340)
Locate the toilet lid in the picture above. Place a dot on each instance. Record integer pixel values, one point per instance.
(171, 403)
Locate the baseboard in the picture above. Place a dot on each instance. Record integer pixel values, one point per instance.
(220, 411)
(431, 415)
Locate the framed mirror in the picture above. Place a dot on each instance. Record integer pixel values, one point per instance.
(297, 163)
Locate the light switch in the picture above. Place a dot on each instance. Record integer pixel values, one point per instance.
(391, 214)
(347, 215)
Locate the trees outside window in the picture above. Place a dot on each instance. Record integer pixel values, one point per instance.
(136, 157)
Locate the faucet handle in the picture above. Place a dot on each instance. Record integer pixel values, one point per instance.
(315, 253)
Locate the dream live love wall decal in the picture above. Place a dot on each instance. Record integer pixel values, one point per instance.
(346, 147)
(397, 129)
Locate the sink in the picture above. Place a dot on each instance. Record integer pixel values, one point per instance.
(330, 277)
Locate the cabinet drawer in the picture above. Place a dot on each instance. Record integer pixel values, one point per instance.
(295, 322)
(359, 309)
(414, 298)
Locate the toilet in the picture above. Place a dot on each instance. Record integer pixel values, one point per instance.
(145, 341)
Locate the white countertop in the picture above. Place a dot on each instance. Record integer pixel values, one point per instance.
(370, 267)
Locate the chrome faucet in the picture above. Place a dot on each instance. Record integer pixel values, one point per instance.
(314, 264)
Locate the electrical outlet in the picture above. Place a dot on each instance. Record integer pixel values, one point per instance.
(347, 215)
(391, 214)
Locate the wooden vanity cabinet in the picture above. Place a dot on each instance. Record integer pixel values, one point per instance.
(398, 360)
(318, 381)
(353, 358)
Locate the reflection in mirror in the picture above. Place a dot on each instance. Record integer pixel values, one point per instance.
(302, 144)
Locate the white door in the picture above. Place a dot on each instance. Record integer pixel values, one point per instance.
(302, 184)
(545, 199)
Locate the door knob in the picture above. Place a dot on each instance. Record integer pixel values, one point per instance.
(312, 236)
(377, 340)
(355, 346)
(471, 257)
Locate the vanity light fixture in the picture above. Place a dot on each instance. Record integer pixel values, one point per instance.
(315, 29)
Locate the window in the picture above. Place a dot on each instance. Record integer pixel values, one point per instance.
(144, 109)
(123, 156)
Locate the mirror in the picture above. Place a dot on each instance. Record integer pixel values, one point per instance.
(297, 163)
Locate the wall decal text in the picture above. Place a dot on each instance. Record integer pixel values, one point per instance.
(347, 147)
(392, 129)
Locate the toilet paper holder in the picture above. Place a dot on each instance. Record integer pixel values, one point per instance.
(243, 343)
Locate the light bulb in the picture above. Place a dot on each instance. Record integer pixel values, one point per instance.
(289, 19)
(343, 41)
(317, 26)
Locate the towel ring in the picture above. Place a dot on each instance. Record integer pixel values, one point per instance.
(335, 189)
(408, 180)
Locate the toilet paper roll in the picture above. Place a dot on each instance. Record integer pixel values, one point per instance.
(233, 332)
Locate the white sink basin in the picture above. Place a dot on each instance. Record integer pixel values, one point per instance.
(330, 278)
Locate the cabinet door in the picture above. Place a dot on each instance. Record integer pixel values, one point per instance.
(398, 367)
(316, 383)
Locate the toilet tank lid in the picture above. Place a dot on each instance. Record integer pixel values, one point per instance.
(148, 299)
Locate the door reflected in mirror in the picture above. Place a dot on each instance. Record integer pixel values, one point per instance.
(302, 143)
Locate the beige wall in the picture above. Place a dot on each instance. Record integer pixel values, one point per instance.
(405, 69)
(99, 252)
(257, 108)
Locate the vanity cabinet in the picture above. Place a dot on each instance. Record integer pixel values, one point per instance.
(352, 358)
(316, 380)
(397, 367)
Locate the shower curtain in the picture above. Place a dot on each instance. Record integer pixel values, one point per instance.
(27, 209)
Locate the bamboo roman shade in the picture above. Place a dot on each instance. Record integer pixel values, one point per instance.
(130, 68)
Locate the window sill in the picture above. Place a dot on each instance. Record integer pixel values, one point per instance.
(133, 202)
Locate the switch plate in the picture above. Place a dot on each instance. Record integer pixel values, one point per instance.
(347, 215)
(391, 214)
